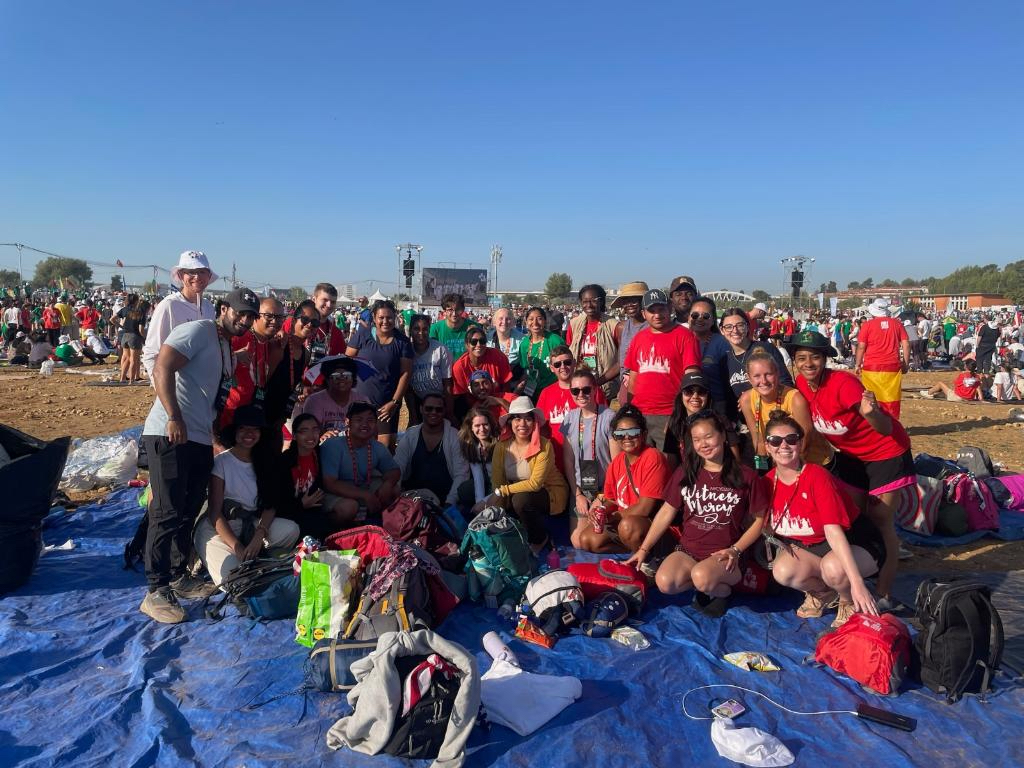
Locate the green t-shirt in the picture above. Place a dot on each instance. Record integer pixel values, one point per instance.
(453, 338)
(407, 319)
(67, 353)
(535, 356)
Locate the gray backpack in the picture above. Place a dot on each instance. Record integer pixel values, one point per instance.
(976, 461)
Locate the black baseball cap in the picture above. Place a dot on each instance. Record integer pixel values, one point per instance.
(241, 299)
(694, 379)
(654, 296)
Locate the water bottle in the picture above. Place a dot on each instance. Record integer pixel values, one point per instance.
(554, 559)
(498, 650)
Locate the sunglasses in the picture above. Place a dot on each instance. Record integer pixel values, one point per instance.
(691, 391)
(577, 391)
(433, 409)
(310, 321)
(340, 375)
(560, 363)
(270, 317)
(776, 440)
(479, 341)
(700, 315)
(627, 434)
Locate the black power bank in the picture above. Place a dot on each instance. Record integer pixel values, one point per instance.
(891, 719)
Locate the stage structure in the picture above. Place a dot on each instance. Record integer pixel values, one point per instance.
(796, 272)
(409, 268)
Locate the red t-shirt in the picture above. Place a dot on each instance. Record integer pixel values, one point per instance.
(774, 327)
(881, 337)
(305, 474)
(967, 385)
(649, 472)
(494, 362)
(715, 515)
(657, 362)
(802, 510)
(788, 326)
(555, 402)
(588, 347)
(87, 318)
(51, 319)
(835, 412)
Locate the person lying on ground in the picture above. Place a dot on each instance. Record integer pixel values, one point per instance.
(717, 496)
(966, 387)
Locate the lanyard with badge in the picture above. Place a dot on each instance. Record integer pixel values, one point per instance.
(321, 344)
(227, 373)
(590, 469)
(533, 369)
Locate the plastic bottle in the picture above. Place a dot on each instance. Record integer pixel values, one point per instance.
(498, 650)
(554, 559)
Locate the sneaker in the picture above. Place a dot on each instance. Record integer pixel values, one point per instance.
(191, 588)
(843, 614)
(887, 604)
(814, 606)
(163, 606)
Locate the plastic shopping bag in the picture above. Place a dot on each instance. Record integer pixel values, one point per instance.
(327, 583)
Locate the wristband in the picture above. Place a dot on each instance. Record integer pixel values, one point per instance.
(642, 549)
(736, 549)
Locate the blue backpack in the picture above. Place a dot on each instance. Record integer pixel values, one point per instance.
(499, 561)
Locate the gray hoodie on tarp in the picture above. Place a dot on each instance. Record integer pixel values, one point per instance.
(377, 697)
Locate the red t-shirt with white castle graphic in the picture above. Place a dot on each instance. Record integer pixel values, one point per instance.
(835, 411)
(715, 515)
(656, 362)
(802, 510)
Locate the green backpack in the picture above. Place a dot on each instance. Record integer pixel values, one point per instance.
(498, 560)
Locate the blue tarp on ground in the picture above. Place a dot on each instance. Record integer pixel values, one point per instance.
(1011, 528)
(86, 680)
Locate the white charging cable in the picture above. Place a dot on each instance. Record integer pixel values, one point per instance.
(758, 693)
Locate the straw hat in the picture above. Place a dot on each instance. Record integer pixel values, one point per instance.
(634, 290)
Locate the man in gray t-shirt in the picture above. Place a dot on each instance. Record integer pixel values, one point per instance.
(194, 362)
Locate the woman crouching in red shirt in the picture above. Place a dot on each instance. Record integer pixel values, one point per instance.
(722, 504)
(817, 540)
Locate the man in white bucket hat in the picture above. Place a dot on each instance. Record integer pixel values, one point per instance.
(191, 274)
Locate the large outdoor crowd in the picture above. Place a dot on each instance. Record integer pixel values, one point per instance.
(699, 440)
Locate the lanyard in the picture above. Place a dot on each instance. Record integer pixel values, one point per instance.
(355, 464)
(593, 439)
(785, 507)
(257, 368)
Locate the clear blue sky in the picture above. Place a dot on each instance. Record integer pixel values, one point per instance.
(613, 141)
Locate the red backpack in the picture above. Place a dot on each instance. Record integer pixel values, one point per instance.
(976, 498)
(597, 578)
(873, 650)
(416, 519)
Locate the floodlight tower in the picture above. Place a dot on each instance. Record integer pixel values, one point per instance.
(408, 256)
(496, 256)
(796, 274)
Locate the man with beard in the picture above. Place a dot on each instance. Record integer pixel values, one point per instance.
(193, 367)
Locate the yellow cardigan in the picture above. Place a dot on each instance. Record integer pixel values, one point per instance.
(544, 474)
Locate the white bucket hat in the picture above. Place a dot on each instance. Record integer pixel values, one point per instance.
(191, 260)
(879, 308)
(520, 406)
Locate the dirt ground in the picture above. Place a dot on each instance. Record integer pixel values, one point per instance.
(67, 404)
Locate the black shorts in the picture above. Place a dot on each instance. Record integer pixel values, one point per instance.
(389, 426)
(874, 477)
(862, 533)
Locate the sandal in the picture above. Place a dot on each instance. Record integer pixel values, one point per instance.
(814, 605)
(843, 614)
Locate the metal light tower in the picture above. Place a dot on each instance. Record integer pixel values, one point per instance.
(496, 255)
(408, 257)
(796, 274)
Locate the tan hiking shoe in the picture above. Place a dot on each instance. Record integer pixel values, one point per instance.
(814, 605)
(843, 614)
(163, 606)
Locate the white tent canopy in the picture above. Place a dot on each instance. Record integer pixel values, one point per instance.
(378, 296)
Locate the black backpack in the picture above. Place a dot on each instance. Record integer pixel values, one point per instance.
(419, 733)
(960, 644)
(976, 461)
(263, 588)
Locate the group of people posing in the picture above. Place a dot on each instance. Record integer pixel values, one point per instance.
(716, 456)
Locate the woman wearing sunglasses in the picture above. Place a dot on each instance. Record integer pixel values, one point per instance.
(817, 541)
(694, 397)
(716, 496)
(587, 446)
(768, 395)
(477, 357)
(524, 473)
(872, 448)
(714, 351)
(633, 484)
